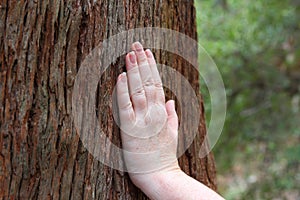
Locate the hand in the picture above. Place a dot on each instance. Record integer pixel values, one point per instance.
(148, 124)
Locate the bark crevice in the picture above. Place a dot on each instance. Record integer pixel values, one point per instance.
(42, 44)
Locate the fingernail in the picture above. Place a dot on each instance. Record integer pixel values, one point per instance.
(132, 57)
(148, 53)
(120, 77)
(123, 76)
(138, 47)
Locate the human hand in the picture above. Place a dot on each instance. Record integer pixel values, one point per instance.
(148, 124)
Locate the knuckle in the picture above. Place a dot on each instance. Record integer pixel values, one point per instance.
(158, 85)
(133, 70)
(138, 92)
(148, 82)
(142, 57)
(143, 63)
(126, 106)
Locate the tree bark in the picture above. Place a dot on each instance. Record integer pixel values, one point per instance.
(42, 44)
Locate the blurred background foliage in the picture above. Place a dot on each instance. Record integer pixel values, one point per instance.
(256, 47)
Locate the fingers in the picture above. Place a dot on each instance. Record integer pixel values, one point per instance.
(124, 103)
(172, 115)
(144, 83)
(136, 89)
(145, 72)
(159, 91)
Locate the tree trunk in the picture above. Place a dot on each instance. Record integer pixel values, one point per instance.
(42, 44)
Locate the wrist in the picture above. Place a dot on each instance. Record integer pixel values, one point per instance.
(172, 184)
(155, 184)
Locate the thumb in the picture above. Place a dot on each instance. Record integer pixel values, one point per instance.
(172, 115)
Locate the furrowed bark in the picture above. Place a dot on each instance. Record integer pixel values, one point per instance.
(42, 44)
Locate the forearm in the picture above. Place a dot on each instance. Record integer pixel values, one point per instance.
(175, 185)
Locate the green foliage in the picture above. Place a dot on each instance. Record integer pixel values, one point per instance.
(256, 47)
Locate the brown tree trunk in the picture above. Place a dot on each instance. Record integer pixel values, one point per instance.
(42, 44)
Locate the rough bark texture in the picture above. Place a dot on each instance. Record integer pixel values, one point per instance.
(42, 44)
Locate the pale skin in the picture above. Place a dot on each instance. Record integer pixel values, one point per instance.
(149, 124)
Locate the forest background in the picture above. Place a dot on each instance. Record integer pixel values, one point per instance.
(256, 47)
